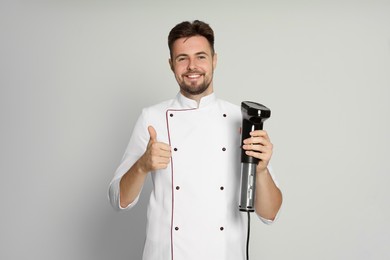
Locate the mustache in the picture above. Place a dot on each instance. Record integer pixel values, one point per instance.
(193, 72)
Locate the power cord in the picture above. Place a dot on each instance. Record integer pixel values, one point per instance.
(248, 234)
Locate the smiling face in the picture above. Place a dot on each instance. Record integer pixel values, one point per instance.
(193, 64)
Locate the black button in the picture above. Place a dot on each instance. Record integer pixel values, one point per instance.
(171, 115)
(224, 115)
(175, 149)
(221, 228)
(223, 149)
(178, 187)
(176, 228)
(222, 188)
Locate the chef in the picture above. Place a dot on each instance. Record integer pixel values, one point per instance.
(190, 146)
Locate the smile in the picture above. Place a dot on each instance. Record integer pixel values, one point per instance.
(193, 76)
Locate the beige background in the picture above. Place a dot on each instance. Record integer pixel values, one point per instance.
(74, 75)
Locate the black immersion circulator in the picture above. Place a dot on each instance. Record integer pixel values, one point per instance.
(253, 117)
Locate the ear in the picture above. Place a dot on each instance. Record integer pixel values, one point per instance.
(215, 61)
(171, 64)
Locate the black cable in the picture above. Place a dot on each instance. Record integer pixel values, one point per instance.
(248, 234)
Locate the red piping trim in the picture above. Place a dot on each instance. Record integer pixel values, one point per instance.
(172, 188)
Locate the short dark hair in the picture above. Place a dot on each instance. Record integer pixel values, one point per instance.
(189, 29)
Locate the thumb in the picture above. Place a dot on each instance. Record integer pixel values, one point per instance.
(152, 134)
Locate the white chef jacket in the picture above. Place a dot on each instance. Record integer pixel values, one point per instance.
(193, 209)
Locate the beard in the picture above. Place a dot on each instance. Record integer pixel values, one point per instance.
(192, 89)
(195, 88)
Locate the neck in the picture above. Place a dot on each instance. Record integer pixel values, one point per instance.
(198, 97)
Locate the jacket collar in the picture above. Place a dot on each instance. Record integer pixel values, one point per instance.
(185, 102)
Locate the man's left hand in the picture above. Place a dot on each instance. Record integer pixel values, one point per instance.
(259, 146)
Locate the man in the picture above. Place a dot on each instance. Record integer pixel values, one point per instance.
(191, 147)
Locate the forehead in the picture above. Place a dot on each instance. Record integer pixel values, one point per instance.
(191, 45)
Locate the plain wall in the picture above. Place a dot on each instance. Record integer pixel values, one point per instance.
(74, 76)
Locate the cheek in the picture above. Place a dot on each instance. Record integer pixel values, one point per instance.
(208, 66)
(179, 69)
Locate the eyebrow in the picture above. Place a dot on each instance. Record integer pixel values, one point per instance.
(186, 55)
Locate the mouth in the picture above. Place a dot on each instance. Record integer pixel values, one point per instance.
(193, 76)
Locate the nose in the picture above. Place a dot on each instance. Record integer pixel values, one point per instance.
(191, 65)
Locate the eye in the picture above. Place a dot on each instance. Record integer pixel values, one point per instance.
(181, 58)
(201, 57)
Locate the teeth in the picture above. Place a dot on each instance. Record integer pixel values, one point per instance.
(193, 76)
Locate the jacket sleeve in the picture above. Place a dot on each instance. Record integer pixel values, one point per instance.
(135, 148)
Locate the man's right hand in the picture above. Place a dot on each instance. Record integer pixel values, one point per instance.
(157, 155)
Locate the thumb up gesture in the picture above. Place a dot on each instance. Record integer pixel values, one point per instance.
(157, 155)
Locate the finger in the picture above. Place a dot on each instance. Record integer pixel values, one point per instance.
(260, 133)
(161, 163)
(251, 147)
(165, 161)
(164, 154)
(261, 156)
(160, 149)
(162, 166)
(253, 154)
(164, 147)
(152, 133)
(256, 140)
(257, 148)
(250, 140)
(158, 159)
